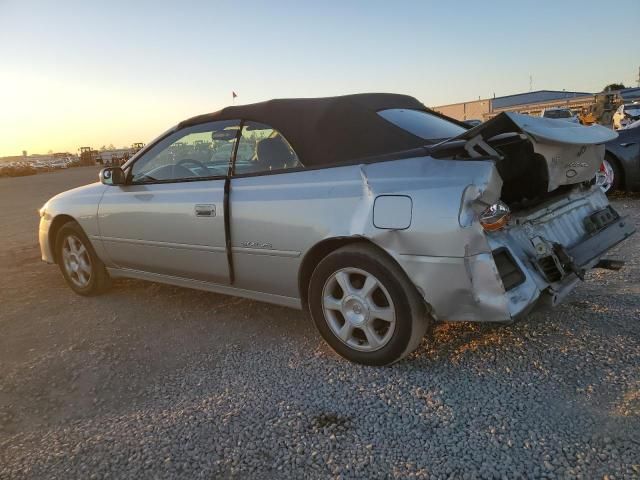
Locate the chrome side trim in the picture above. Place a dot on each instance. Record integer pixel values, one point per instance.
(184, 246)
(265, 251)
(206, 286)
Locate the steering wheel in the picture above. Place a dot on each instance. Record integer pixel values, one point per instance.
(197, 163)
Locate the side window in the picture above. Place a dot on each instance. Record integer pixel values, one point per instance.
(200, 151)
(422, 124)
(263, 149)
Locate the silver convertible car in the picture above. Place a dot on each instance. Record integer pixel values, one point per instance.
(375, 214)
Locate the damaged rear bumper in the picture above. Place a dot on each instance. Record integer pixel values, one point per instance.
(554, 246)
(556, 269)
(540, 257)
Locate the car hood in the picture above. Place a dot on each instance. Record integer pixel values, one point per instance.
(90, 189)
(572, 152)
(86, 193)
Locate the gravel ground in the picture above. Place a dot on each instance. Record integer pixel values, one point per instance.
(152, 381)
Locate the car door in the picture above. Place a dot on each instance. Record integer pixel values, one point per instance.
(169, 218)
(268, 222)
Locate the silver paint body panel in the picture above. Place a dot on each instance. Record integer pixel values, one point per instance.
(152, 232)
(157, 229)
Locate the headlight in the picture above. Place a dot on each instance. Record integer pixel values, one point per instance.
(495, 217)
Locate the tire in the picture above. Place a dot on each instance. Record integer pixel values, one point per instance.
(377, 328)
(81, 268)
(617, 174)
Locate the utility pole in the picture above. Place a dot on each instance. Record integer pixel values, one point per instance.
(638, 77)
(530, 82)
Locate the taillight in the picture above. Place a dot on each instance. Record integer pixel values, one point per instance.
(495, 217)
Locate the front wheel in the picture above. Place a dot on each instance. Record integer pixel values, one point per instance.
(80, 266)
(365, 307)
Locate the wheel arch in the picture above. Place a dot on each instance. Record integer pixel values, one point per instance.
(56, 225)
(323, 248)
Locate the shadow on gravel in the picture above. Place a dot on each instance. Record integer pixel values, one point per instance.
(450, 340)
(328, 421)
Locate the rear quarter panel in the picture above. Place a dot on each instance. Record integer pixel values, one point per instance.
(277, 218)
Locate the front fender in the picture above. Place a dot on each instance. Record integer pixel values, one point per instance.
(79, 204)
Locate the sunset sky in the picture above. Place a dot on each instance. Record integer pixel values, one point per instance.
(77, 73)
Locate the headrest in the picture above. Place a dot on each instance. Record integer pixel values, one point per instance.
(273, 153)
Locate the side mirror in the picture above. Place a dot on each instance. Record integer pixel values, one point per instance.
(112, 176)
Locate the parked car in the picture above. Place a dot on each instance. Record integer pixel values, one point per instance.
(17, 169)
(632, 125)
(620, 169)
(472, 122)
(560, 114)
(626, 114)
(373, 213)
(40, 165)
(59, 163)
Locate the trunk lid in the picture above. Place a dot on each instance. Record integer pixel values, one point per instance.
(572, 153)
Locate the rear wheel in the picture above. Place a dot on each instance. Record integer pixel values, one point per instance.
(78, 262)
(365, 307)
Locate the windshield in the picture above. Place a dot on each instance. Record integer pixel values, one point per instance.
(422, 124)
(558, 114)
(198, 151)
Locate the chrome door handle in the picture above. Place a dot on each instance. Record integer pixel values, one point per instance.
(205, 210)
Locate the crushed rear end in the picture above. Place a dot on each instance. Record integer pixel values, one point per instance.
(558, 223)
(545, 251)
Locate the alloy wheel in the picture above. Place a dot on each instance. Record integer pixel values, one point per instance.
(358, 309)
(76, 261)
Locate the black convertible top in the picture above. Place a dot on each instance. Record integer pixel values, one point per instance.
(330, 130)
